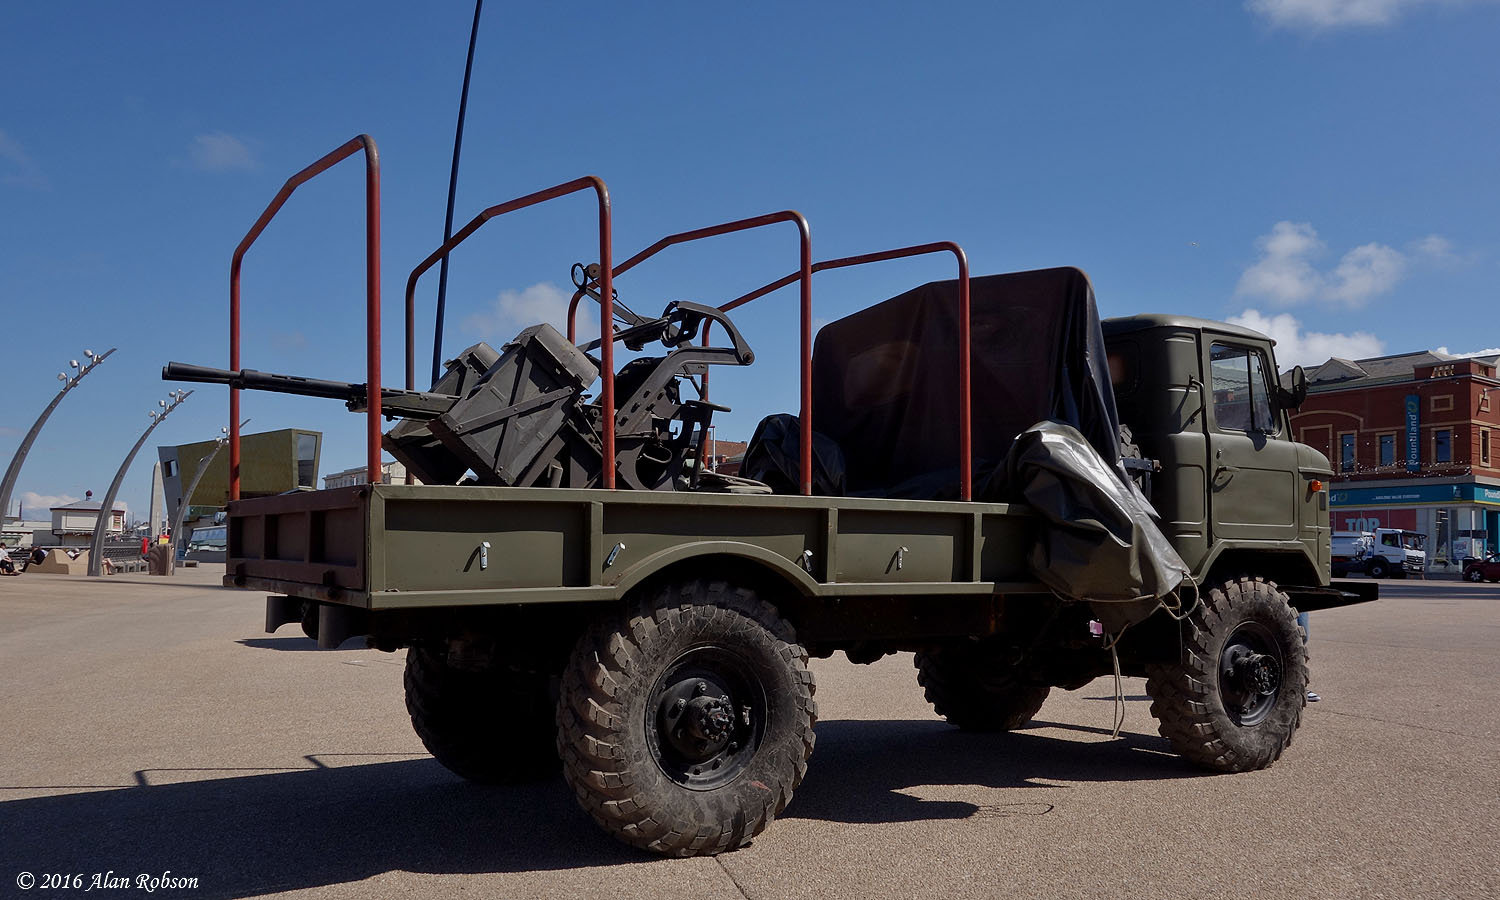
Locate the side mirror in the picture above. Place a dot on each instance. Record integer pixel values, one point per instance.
(1291, 398)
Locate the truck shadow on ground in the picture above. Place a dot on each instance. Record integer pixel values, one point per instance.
(333, 824)
(861, 771)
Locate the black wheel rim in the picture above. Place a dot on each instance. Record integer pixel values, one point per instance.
(1251, 669)
(706, 718)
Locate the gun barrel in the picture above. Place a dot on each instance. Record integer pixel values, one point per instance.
(251, 380)
(393, 401)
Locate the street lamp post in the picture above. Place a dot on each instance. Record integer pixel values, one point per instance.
(13, 471)
(187, 493)
(101, 525)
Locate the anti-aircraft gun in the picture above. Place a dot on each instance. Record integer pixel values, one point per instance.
(520, 417)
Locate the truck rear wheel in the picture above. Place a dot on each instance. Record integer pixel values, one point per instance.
(685, 723)
(971, 687)
(1235, 699)
(494, 726)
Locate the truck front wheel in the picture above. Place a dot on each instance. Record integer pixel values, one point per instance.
(1236, 696)
(1378, 568)
(493, 726)
(972, 687)
(685, 723)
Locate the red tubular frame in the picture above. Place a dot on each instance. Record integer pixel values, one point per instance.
(965, 434)
(607, 347)
(804, 273)
(372, 297)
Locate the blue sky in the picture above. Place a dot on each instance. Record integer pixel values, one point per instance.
(1324, 169)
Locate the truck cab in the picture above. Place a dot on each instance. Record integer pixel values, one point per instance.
(1202, 399)
(1395, 552)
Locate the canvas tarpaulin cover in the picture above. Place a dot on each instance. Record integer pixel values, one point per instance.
(1099, 540)
(885, 389)
(885, 380)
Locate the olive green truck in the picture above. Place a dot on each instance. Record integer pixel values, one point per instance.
(653, 644)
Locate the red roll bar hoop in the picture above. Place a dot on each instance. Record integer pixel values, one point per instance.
(372, 298)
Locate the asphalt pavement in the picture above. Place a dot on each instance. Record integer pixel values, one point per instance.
(150, 727)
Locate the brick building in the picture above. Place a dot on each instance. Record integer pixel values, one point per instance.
(1413, 440)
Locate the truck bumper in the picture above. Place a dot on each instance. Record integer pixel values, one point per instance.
(1337, 594)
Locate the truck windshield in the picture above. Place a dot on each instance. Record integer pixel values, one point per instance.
(1413, 541)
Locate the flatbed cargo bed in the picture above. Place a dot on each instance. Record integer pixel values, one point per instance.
(413, 546)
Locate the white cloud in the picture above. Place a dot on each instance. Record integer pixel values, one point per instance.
(36, 505)
(1488, 351)
(1366, 272)
(513, 311)
(217, 151)
(1434, 246)
(1283, 273)
(18, 167)
(1295, 347)
(1321, 15)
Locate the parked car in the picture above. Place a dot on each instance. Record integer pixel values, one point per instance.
(1487, 569)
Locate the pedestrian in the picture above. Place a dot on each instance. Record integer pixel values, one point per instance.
(6, 566)
(1303, 624)
(38, 555)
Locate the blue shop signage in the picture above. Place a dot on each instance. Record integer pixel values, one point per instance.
(1415, 494)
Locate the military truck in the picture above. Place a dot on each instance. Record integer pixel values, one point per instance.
(650, 636)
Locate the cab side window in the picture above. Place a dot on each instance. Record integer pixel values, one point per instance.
(1242, 399)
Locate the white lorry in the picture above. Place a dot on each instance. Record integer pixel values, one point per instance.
(1380, 553)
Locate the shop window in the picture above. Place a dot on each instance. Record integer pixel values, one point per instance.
(1387, 449)
(1442, 403)
(1442, 445)
(1346, 452)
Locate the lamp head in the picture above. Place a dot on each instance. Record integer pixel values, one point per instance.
(73, 363)
(62, 376)
(89, 354)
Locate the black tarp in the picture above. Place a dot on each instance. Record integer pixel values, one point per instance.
(1045, 430)
(885, 380)
(1100, 540)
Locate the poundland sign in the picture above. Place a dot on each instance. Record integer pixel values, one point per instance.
(1413, 433)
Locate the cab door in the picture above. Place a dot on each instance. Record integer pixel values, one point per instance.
(1252, 465)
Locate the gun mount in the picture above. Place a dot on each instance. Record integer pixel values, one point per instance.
(520, 417)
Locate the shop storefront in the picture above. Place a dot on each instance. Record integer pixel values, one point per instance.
(1459, 519)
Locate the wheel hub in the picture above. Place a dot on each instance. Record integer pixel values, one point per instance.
(1250, 674)
(707, 718)
(696, 718)
(1255, 673)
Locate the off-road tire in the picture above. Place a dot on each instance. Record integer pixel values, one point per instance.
(1188, 698)
(493, 727)
(615, 754)
(968, 685)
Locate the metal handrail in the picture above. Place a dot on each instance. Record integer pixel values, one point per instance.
(965, 438)
(804, 273)
(606, 350)
(372, 297)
